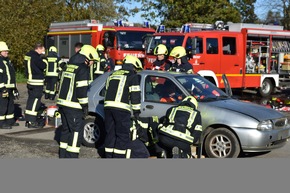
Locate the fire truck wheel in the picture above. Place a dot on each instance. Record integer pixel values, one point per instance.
(94, 132)
(222, 143)
(266, 89)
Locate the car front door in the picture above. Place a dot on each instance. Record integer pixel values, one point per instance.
(158, 94)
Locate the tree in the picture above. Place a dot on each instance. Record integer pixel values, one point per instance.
(247, 10)
(102, 10)
(174, 13)
(23, 27)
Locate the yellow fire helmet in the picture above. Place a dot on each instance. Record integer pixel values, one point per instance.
(129, 59)
(100, 47)
(160, 49)
(3, 46)
(192, 100)
(178, 52)
(90, 52)
(52, 49)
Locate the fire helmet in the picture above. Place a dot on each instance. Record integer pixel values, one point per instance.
(191, 100)
(52, 49)
(160, 50)
(90, 52)
(178, 52)
(3, 46)
(129, 59)
(100, 47)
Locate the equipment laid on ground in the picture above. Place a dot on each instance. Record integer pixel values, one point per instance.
(52, 116)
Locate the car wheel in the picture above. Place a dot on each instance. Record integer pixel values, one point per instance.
(222, 143)
(94, 133)
(267, 88)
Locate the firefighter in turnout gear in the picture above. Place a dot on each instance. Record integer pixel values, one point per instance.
(161, 62)
(181, 128)
(52, 73)
(35, 71)
(181, 63)
(123, 94)
(73, 100)
(8, 89)
(100, 66)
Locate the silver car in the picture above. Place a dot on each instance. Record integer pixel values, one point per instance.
(230, 126)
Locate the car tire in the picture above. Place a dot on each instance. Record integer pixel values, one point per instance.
(94, 133)
(222, 143)
(266, 89)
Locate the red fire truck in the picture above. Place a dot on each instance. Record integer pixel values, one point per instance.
(119, 38)
(254, 57)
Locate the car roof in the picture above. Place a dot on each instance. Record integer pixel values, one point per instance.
(167, 73)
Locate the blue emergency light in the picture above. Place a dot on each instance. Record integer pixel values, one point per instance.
(160, 29)
(185, 28)
(146, 24)
(118, 23)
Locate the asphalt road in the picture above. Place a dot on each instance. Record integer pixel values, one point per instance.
(22, 142)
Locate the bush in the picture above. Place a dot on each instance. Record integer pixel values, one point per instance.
(20, 77)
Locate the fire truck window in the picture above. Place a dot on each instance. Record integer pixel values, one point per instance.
(108, 39)
(64, 46)
(86, 39)
(229, 45)
(212, 46)
(130, 40)
(73, 40)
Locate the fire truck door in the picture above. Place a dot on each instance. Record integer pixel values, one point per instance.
(231, 62)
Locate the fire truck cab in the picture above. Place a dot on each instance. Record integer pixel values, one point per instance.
(119, 38)
(254, 57)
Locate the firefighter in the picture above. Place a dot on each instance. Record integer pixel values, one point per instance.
(78, 46)
(123, 94)
(100, 66)
(161, 62)
(73, 100)
(35, 70)
(52, 73)
(181, 63)
(110, 61)
(8, 89)
(181, 128)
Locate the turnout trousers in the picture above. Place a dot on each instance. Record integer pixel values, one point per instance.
(72, 130)
(33, 102)
(167, 143)
(51, 87)
(118, 141)
(7, 109)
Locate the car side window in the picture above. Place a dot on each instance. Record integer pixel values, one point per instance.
(160, 89)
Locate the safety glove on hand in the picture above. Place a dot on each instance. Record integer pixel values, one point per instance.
(16, 93)
(85, 111)
(5, 93)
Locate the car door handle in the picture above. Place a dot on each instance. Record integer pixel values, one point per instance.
(149, 106)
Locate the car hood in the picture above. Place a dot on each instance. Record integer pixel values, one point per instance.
(254, 110)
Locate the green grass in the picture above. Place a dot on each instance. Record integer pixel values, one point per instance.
(20, 77)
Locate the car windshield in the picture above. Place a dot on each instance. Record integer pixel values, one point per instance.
(131, 40)
(169, 41)
(201, 89)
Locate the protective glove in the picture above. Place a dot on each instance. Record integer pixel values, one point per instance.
(5, 93)
(85, 111)
(16, 93)
(136, 116)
